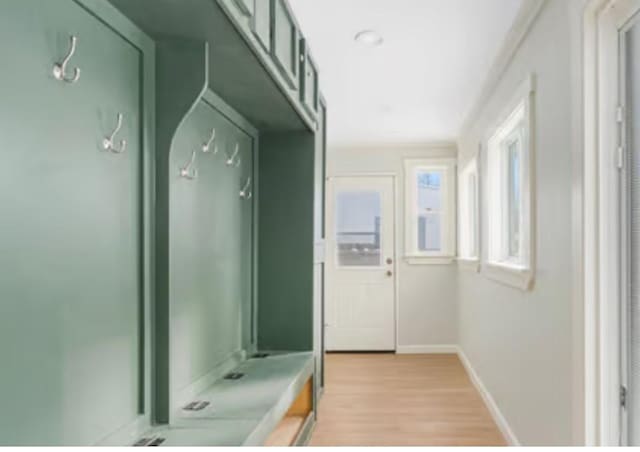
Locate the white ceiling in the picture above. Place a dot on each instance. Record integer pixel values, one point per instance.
(421, 83)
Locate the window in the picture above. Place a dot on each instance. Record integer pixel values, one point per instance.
(430, 210)
(469, 227)
(358, 229)
(509, 182)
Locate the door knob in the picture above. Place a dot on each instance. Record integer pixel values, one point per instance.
(389, 273)
(389, 261)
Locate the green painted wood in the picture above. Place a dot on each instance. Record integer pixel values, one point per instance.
(319, 265)
(178, 93)
(241, 72)
(320, 319)
(285, 41)
(211, 247)
(261, 23)
(286, 245)
(72, 329)
(265, 393)
(246, 6)
(309, 80)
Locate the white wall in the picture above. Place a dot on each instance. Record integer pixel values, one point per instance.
(522, 345)
(427, 304)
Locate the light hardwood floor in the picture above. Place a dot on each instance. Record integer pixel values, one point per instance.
(401, 400)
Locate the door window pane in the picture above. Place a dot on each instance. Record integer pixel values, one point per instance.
(358, 229)
(429, 211)
(514, 195)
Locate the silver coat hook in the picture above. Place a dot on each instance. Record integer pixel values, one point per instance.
(245, 193)
(206, 147)
(188, 171)
(231, 161)
(60, 69)
(108, 143)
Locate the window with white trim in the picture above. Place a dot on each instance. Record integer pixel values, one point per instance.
(469, 214)
(509, 195)
(430, 211)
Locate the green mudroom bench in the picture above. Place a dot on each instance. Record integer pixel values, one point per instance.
(161, 191)
(265, 400)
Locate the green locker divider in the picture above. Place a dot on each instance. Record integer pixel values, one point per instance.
(74, 250)
(286, 228)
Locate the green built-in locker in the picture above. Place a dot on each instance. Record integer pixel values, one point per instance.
(72, 222)
(212, 193)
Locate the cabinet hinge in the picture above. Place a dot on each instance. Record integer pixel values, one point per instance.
(623, 396)
(620, 157)
(620, 114)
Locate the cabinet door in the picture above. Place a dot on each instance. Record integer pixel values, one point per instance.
(70, 228)
(285, 41)
(309, 79)
(261, 23)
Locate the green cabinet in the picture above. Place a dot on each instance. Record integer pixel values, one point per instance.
(261, 23)
(309, 94)
(285, 41)
(72, 243)
(211, 246)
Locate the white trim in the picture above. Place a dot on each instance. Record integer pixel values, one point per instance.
(472, 265)
(603, 20)
(427, 350)
(466, 171)
(517, 113)
(520, 29)
(447, 166)
(520, 278)
(429, 260)
(492, 406)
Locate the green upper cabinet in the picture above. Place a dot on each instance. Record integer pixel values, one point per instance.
(261, 23)
(72, 242)
(285, 41)
(309, 94)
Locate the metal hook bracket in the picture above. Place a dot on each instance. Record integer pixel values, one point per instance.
(60, 69)
(108, 143)
(188, 171)
(232, 160)
(206, 147)
(245, 193)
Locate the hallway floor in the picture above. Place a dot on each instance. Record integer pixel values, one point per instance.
(401, 400)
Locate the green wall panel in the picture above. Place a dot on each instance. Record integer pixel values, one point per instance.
(71, 285)
(211, 247)
(286, 228)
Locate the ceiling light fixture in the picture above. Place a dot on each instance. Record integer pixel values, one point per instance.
(370, 38)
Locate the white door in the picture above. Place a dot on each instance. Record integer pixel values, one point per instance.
(360, 282)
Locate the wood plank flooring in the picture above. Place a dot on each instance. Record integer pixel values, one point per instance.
(401, 400)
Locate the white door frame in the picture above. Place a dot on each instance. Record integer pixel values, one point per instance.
(603, 269)
(396, 260)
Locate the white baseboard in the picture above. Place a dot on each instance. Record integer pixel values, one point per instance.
(426, 349)
(499, 419)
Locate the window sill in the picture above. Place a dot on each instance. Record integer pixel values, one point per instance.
(510, 275)
(429, 260)
(469, 264)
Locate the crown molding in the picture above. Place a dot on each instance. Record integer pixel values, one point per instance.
(521, 27)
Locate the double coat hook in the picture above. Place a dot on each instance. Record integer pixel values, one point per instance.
(189, 171)
(245, 193)
(206, 147)
(60, 69)
(108, 144)
(234, 159)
